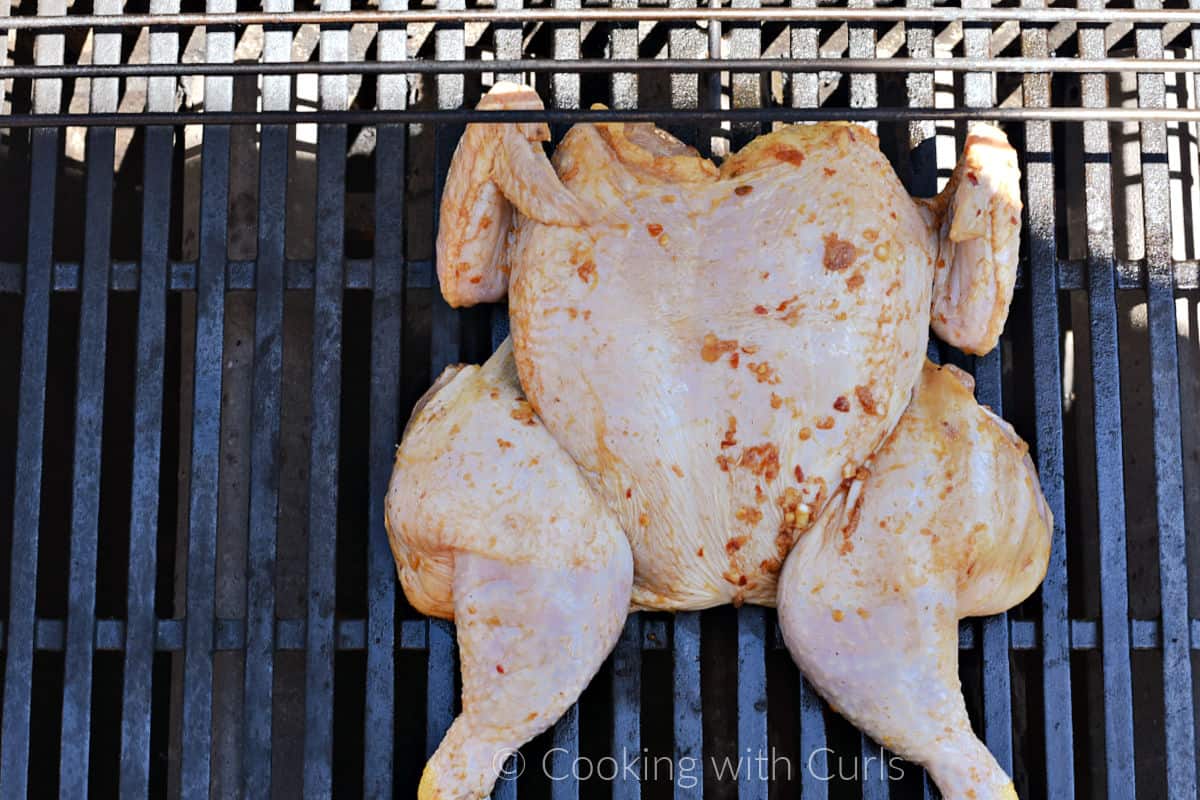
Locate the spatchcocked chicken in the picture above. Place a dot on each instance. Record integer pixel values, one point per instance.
(716, 391)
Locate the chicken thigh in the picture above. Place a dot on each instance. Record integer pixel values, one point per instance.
(708, 366)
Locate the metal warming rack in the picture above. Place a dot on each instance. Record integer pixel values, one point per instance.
(217, 305)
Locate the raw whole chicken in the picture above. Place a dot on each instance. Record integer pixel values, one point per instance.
(716, 391)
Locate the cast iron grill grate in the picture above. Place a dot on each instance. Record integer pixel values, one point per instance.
(217, 306)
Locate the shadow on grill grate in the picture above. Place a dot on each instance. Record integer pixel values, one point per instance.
(211, 335)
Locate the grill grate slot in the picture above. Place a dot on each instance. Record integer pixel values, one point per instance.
(1114, 600)
(1047, 390)
(285, 612)
(31, 412)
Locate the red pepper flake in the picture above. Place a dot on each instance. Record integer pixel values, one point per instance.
(735, 544)
(743, 190)
(841, 404)
(764, 372)
(866, 399)
(654, 229)
(747, 514)
(799, 473)
(761, 460)
(839, 253)
(700, 552)
(971, 177)
(761, 310)
(628, 493)
(500, 669)
(678, 470)
(714, 348)
(783, 306)
(504, 444)
(477, 279)
(730, 432)
(586, 271)
(733, 360)
(829, 172)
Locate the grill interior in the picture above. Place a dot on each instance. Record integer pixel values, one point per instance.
(217, 311)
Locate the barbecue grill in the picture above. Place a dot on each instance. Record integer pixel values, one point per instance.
(218, 304)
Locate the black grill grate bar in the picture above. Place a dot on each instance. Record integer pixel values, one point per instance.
(676, 13)
(419, 274)
(197, 711)
(562, 117)
(861, 67)
(31, 414)
(1102, 313)
(922, 159)
(507, 42)
(920, 85)
(1168, 457)
(1044, 286)
(805, 88)
(89, 423)
(258, 679)
(326, 411)
(508, 45)
(1194, 5)
(27, 491)
(627, 656)
(687, 691)
(745, 43)
(351, 635)
(445, 349)
(136, 702)
(564, 93)
(979, 92)
(240, 275)
(387, 323)
(864, 93)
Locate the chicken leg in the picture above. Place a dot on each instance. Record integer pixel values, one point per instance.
(946, 522)
(532, 569)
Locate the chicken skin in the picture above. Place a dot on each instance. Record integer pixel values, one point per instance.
(716, 392)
